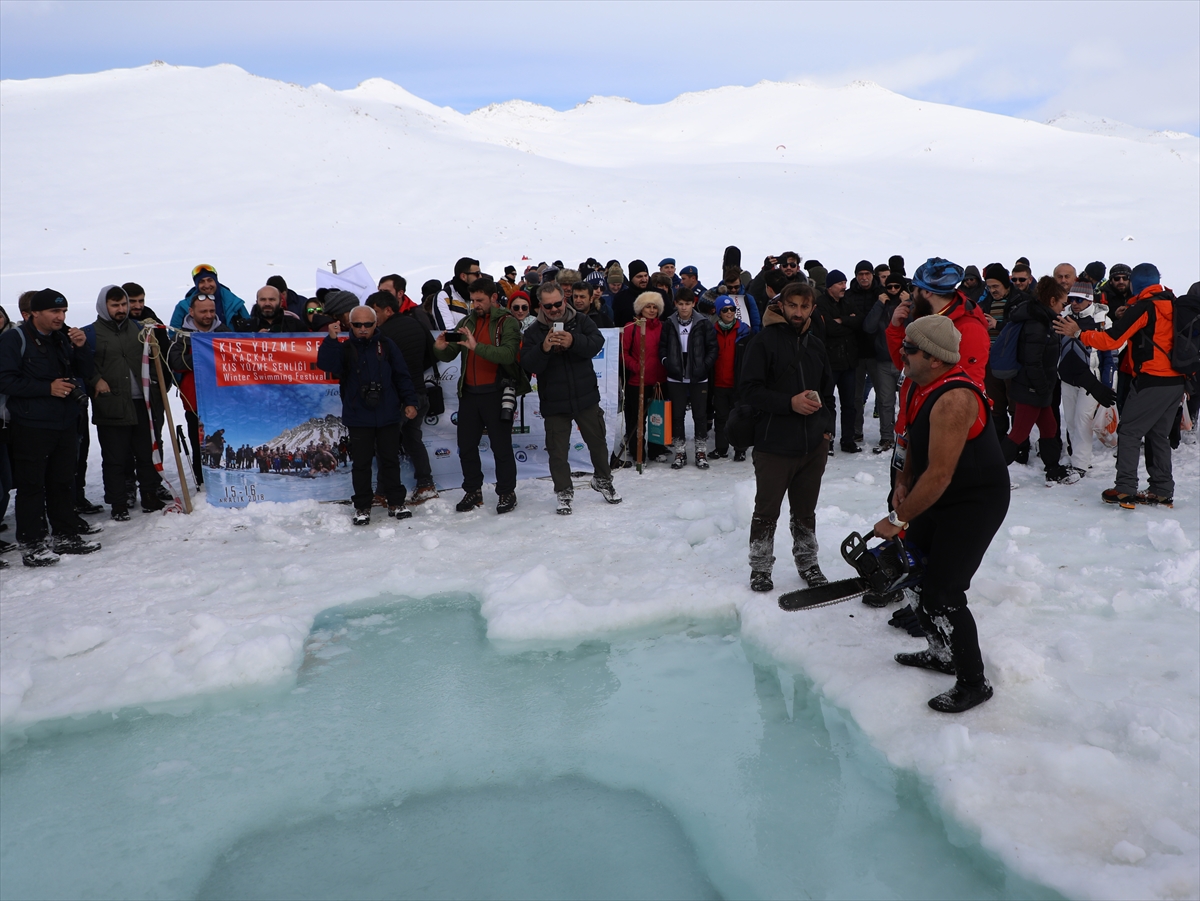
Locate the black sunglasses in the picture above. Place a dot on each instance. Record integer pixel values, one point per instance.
(908, 349)
(552, 306)
(519, 309)
(894, 287)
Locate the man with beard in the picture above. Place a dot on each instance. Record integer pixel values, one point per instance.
(269, 315)
(453, 302)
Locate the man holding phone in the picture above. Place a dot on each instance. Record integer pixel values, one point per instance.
(787, 380)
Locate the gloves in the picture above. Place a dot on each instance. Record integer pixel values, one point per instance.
(1104, 395)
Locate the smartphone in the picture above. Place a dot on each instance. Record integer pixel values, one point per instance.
(454, 337)
(558, 326)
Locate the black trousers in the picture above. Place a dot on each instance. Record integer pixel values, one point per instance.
(193, 424)
(680, 394)
(43, 462)
(366, 446)
(558, 445)
(120, 446)
(849, 400)
(81, 458)
(632, 393)
(413, 442)
(723, 400)
(776, 475)
(997, 390)
(479, 413)
(954, 537)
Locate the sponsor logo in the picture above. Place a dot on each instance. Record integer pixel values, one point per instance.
(442, 452)
(522, 457)
(454, 417)
(431, 420)
(531, 447)
(578, 445)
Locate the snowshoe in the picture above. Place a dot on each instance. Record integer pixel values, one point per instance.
(469, 502)
(38, 554)
(74, 544)
(926, 659)
(761, 581)
(506, 503)
(606, 489)
(564, 498)
(362, 517)
(963, 696)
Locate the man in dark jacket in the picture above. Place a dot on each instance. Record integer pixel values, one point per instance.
(622, 301)
(119, 405)
(416, 346)
(843, 322)
(41, 365)
(558, 348)
(864, 293)
(202, 317)
(269, 315)
(582, 303)
(689, 350)
(787, 379)
(884, 374)
(972, 284)
(377, 395)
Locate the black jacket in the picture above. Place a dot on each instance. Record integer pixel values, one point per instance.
(841, 338)
(864, 299)
(358, 363)
(415, 343)
(566, 379)
(779, 365)
(875, 324)
(26, 377)
(701, 349)
(281, 323)
(1037, 355)
(601, 319)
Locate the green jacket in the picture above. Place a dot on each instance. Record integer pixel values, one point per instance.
(504, 350)
(118, 360)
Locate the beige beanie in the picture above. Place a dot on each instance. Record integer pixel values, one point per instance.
(936, 335)
(645, 299)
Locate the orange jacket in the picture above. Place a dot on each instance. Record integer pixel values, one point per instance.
(1149, 327)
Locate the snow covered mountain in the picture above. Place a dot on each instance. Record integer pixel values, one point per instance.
(328, 431)
(142, 173)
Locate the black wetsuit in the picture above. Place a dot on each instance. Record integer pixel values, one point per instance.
(956, 532)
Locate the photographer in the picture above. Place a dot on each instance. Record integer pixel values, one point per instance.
(489, 340)
(558, 348)
(41, 363)
(374, 385)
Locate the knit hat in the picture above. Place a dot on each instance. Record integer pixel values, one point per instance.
(894, 279)
(277, 282)
(432, 286)
(1094, 271)
(936, 335)
(938, 275)
(510, 269)
(646, 299)
(203, 271)
(636, 267)
(338, 302)
(666, 261)
(1080, 292)
(517, 295)
(864, 266)
(724, 302)
(731, 257)
(810, 265)
(998, 272)
(47, 299)
(972, 271)
(1143, 276)
(614, 274)
(834, 276)
(1118, 269)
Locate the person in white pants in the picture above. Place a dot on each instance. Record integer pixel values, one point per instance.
(1078, 404)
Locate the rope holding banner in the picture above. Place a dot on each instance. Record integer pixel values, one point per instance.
(177, 505)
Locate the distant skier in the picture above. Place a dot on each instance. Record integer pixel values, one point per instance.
(951, 498)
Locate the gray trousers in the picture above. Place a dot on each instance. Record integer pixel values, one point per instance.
(1148, 413)
(558, 444)
(885, 376)
(776, 475)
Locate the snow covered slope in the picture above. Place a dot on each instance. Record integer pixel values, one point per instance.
(1081, 774)
(142, 173)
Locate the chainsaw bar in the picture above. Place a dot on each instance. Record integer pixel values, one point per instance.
(823, 595)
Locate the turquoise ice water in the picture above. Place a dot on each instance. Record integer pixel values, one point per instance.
(414, 759)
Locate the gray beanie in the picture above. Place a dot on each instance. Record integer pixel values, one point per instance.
(338, 302)
(936, 335)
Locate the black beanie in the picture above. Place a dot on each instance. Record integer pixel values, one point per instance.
(1094, 271)
(864, 266)
(637, 266)
(277, 282)
(433, 286)
(810, 265)
(733, 257)
(896, 264)
(47, 299)
(998, 272)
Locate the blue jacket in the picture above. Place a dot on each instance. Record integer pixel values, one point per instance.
(358, 363)
(26, 377)
(229, 305)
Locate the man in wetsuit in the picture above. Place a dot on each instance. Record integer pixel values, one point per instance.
(950, 499)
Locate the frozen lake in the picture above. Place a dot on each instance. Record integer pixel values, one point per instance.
(414, 758)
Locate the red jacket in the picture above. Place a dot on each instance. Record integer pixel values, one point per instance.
(631, 353)
(974, 346)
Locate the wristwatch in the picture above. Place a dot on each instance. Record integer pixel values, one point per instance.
(896, 520)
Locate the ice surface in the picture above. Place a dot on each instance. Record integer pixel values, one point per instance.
(421, 762)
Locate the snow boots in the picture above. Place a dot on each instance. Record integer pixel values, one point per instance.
(470, 500)
(564, 502)
(606, 489)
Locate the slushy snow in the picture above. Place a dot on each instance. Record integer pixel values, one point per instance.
(1081, 774)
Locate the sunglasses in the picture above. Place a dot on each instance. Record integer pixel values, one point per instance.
(908, 348)
(311, 310)
(361, 324)
(1120, 278)
(520, 309)
(211, 297)
(1020, 279)
(204, 267)
(894, 287)
(552, 306)
(789, 265)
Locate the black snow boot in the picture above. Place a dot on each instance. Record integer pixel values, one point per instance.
(927, 659)
(963, 696)
(761, 581)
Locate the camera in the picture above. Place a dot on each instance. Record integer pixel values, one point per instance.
(78, 395)
(371, 394)
(508, 399)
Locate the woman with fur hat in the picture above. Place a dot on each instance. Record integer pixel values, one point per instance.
(641, 353)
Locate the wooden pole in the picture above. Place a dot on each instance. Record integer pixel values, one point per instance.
(162, 387)
(641, 397)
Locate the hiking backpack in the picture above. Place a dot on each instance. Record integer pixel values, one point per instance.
(1004, 357)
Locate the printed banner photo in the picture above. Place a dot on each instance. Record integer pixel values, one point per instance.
(271, 427)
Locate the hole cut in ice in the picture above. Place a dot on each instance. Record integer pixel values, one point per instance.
(415, 759)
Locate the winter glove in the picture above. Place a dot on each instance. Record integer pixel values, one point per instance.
(1104, 395)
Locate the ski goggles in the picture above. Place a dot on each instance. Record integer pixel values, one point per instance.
(211, 297)
(204, 267)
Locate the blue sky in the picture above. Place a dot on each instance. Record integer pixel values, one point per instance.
(1137, 62)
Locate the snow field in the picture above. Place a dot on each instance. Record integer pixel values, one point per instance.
(1080, 773)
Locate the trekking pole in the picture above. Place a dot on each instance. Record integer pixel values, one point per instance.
(641, 398)
(183, 443)
(162, 387)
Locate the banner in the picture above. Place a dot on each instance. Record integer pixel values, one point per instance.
(271, 428)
